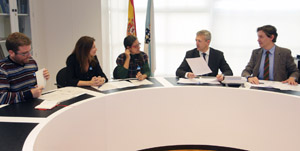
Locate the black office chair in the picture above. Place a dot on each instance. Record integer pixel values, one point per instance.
(61, 78)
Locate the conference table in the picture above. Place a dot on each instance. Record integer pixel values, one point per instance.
(162, 116)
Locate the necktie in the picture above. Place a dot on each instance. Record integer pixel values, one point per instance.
(204, 54)
(266, 66)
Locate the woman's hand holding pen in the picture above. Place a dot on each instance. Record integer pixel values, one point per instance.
(36, 91)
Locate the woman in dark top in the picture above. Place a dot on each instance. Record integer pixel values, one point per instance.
(83, 68)
(133, 63)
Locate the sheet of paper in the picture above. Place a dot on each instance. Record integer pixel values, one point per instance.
(198, 65)
(115, 85)
(209, 80)
(189, 81)
(41, 80)
(143, 82)
(107, 86)
(3, 105)
(46, 105)
(122, 84)
(201, 80)
(275, 84)
(234, 80)
(62, 94)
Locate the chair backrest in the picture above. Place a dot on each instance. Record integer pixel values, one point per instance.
(61, 78)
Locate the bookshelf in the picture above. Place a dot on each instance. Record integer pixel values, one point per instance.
(14, 17)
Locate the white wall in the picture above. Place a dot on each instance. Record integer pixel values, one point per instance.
(57, 25)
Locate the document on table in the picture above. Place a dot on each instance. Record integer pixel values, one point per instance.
(3, 105)
(198, 65)
(234, 80)
(275, 84)
(41, 80)
(143, 82)
(201, 80)
(51, 99)
(114, 85)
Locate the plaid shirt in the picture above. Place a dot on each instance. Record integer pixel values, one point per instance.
(136, 63)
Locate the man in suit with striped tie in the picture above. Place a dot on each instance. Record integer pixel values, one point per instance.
(270, 62)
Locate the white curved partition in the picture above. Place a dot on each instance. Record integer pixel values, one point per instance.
(146, 118)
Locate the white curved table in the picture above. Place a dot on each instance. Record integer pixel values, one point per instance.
(145, 118)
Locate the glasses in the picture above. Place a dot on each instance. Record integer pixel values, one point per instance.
(137, 45)
(24, 54)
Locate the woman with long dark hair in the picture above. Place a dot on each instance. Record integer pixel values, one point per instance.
(83, 68)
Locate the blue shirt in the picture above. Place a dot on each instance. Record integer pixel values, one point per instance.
(271, 66)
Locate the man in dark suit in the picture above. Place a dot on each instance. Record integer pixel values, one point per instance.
(213, 57)
(270, 62)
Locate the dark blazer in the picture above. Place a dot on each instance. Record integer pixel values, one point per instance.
(284, 65)
(74, 73)
(216, 61)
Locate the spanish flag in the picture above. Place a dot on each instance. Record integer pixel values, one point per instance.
(131, 27)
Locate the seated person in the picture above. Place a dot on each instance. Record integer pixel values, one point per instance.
(17, 71)
(214, 58)
(83, 68)
(270, 62)
(133, 63)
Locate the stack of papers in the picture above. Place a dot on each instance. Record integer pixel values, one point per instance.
(200, 80)
(122, 84)
(56, 96)
(234, 80)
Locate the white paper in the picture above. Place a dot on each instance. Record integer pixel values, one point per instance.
(188, 81)
(58, 96)
(143, 82)
(41, 80)
(275, 84)
(234, 80)
(198, 65)
(106, 86)
(211, 80)
(47, 105)
(123, 84)
(3, 105)
(115, 85)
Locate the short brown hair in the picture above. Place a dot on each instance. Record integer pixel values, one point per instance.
(269, 30)
(15, 40)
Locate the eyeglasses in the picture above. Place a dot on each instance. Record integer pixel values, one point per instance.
(25, 54)
(137, 45)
